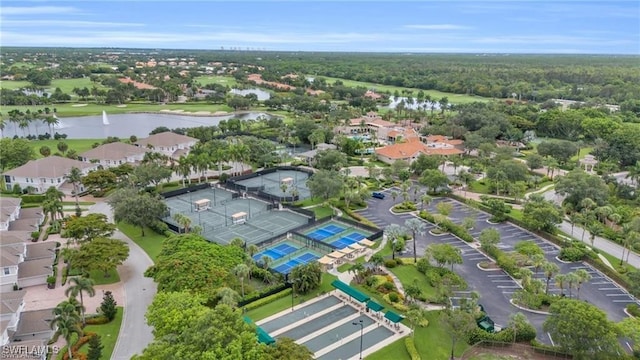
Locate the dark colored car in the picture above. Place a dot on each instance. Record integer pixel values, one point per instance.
(378, 195)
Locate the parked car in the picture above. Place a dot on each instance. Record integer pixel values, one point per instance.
(378, 195)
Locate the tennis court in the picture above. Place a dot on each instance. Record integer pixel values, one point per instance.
(257, 228)
(307, 257)
(274, 183)
(335, 233)
(278, 251)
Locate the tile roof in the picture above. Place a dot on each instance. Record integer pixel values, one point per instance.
(402, 150)
(34, 322)
(33, 268)
(14, 237)
(10, 301)
(113, 151)
(32, 213)
(41, 250)
(24, 225)
(49, 167)
(10, 255)
(166, 138)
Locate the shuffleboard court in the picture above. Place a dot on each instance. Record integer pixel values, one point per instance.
(336, 334)
(299, 314)
(352, 348)
(316, 324)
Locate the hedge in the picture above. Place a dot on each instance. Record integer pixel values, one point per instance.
(411, 348)
(266, 300)
(449, 226)
(97, 320)
(32, 199)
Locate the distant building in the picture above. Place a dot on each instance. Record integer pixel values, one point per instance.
(114, 154)
(43, 173)
(168, 143)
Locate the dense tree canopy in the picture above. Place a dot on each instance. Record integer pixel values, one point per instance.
(14, 153)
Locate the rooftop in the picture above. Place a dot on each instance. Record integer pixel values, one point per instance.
(11, 301)
(113, 151)
(33, 268)
(41, 250)
(34, 322)
(166, 138)
(49, 167)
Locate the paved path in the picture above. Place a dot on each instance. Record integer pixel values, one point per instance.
(138, 294)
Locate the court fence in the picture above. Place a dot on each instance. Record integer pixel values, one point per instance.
(275, 290)
(523, 350)
(172, 193)
(313, 243)
(233, 184)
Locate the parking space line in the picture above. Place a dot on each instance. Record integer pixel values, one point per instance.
(613, 288)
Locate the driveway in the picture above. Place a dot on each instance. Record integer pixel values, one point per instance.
(138, 294)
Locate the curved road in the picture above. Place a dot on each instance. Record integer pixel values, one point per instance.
(139, 291)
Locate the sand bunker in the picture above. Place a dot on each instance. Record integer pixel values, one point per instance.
(79, 105)
(121, 106)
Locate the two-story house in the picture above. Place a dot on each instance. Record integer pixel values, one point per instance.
(168, 143)
(9, 211)
(23, 334)
(114, 154)
(43, 173)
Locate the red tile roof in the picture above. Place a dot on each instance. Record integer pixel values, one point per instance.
(137, 85)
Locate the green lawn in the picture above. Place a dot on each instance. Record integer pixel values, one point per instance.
(408, 273)
(108, 334)
(285, 302)
(346, 266)
(79, 145)
(214, 79)
(436, 95)
(480, 187)
(68, 110)
(12, 85)
(99, 278)
(151, 243)
(396, 350)
(309, 201)
(583, 152)
(322, 211)
(66, 85)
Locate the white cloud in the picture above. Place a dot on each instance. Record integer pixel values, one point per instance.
(67, 23)
(437, 27)
(37, 10)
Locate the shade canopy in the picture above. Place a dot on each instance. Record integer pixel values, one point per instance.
(263, 336)
(336, 254)
(346, 251)
(325, 260)
(354, 293)
(374, 305)
(393, 317)
(356, 247)
(366, 242)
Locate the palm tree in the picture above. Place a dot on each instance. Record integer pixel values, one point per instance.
(66, 322)
(561, 280)
(2, 126)
(51, 121)
(52, 203)
(425, 200)
(184, 168)
(550, 269)
(241, 271)
(634, 173)
(80, 285)
(394, 232)
(266, 261)
(581, 277)
(417, 227)
(595, 229)
(252, 250)
(227, 296)
(537, 261)
(75, 177)
(574, 218)
(377, 260)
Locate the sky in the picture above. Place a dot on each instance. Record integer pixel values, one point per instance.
(541, 26)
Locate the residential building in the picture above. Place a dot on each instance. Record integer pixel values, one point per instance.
(168, 143)
(409, 149)
(9, 211)
(43, 173)
(309, 156)
(114, 154)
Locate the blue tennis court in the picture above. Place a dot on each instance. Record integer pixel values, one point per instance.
(300, 260)
(325, 232)
(276, 252)
(350, 239)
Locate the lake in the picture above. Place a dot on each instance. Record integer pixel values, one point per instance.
(125, 125)
(261, 94)
(416, 105)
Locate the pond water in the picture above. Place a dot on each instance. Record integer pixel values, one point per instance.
(261, 94)
(414, 106)
(124, 125)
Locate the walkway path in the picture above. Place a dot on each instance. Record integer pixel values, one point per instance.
(138, 294)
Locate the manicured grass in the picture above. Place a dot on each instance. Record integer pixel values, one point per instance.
(516, 214)
(79, 145)
(435, 95)
(214, 79)
(151, 243)
(583, 152)
(309, 201)
(68, 110)
(108, 334)
(66, 85)
(322, 211)
(12, 85)
(408, 273)
(396, 350)
(346, 266)
(480, 187)
(99, 278)
(285, 302)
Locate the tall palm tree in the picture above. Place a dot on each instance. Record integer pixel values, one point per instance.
(425, 200)
(80, 285)
(2, 126)
(581, 277)
(561, 281)
(75, 177)
(52, 203)
(393, 232)
(550, 269)
(241, 271)
(595, 229)
(227, 296)
(184, 168)
(66, 322)
(51, 121)
(417, 227)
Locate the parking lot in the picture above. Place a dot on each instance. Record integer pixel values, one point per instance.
(496, 287)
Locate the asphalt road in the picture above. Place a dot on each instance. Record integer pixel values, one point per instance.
(139, 291)
(496, 287)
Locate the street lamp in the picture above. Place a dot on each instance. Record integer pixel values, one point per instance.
(293, 290)
(361, 333)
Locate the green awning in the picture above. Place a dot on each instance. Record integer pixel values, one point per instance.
(374, 305)
(354, 293)
(263, 337)
(393, 317)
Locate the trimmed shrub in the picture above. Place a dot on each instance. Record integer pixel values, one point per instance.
(393, 297)
(633, 309)
(97, 320)
(390, 263)
(411, 348)
(267, 300)
(32, 199)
